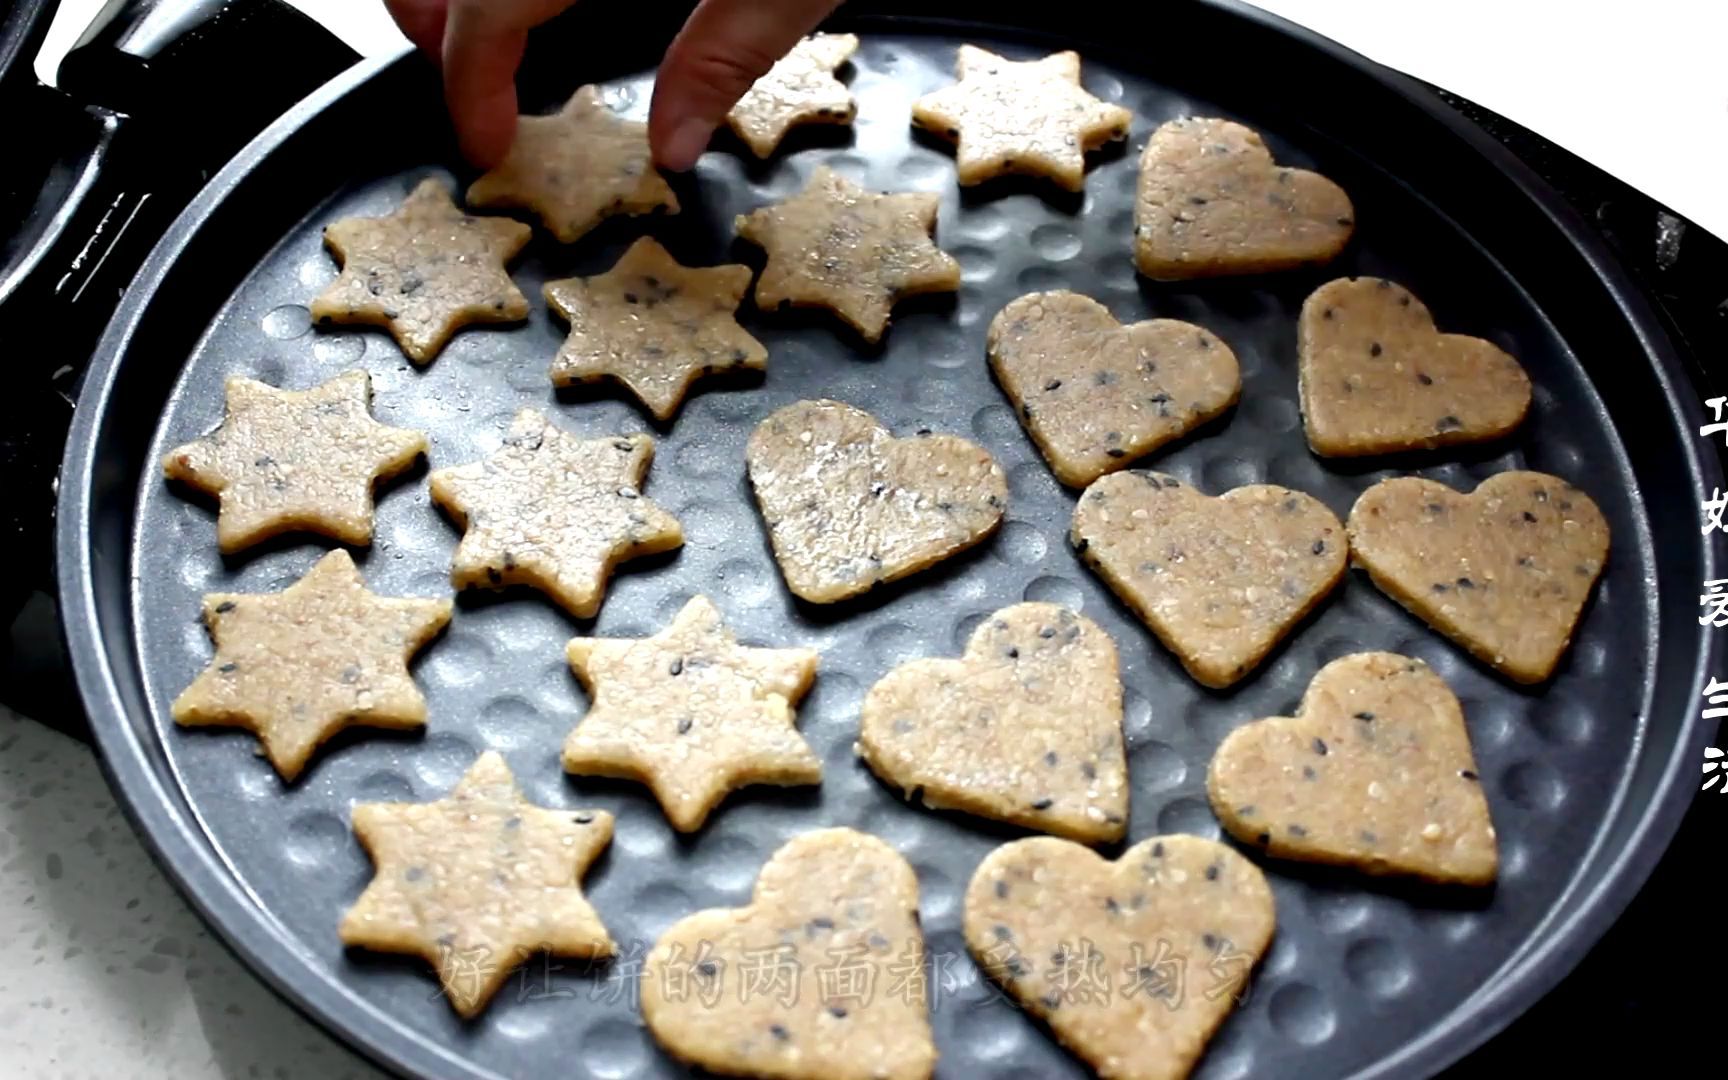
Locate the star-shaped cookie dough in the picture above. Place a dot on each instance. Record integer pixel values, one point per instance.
(653, 325)
(799, 89)
(554, 511)
(691, 713)
(295, 461)
(1030, 117)
(423, 272)
(297, 666)
(477, 882)
(837, 246)
(576, 168)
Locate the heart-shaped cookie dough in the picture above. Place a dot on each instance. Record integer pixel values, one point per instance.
(1026, 727)
(1133, 964)
(1374, 771)
(1212, 201)
(1219, 580)
(1504, 571)
(1377, 377)
(801, 984)
(850, 507)
(1095, 394)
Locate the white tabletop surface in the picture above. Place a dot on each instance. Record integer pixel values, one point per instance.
(105, 972)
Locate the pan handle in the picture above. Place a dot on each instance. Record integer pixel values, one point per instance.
(156, 96)
(1682, 268)
(117, 61)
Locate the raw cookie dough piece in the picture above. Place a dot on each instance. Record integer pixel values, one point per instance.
(1504, 571)
(1133, 964)
(691, 713)
(799, 89)
(850, 507)
(576, 168)
(554, 511)
(773, 990)
(1030, 117)
(476, 882)
(1376, 376)
(295, 461)
(1219, 580)
(296, 667)
(1374, 771)
(1025, 728)
(834, 245)
(1212, 201)
(653, 325)
(424, 272)
(1095, 394)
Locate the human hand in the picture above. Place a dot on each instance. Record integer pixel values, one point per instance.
(724, 47)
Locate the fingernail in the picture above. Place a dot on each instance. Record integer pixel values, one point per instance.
(686, 143)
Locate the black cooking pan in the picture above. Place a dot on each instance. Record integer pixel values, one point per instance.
(1587, 777)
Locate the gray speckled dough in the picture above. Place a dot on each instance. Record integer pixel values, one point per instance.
(1026, 726)
(1220, 579)
(1376, 376)
(850, 507)
(1212, 201)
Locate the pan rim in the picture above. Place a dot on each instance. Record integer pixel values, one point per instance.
(181, 849)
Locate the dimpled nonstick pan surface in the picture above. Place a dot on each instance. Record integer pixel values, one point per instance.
(1365, 978)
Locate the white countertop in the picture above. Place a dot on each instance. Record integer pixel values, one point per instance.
(104, 971)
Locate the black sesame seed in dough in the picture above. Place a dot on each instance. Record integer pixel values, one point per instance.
(1320, 746)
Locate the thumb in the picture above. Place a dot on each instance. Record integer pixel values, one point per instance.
(480, 62)
(483, 45)
(724, 48)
